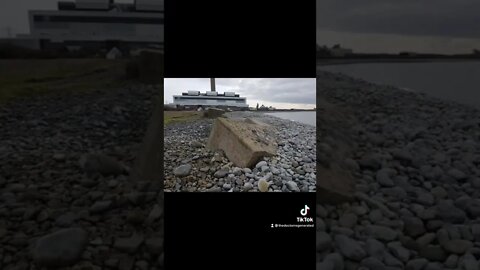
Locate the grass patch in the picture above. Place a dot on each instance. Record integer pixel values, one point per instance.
(170, 117)
(22, 77)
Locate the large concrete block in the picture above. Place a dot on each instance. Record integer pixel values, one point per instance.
(149, 162)
(335, 143)
(213, 112)
(150, 66)
(244, 143)
(257, 122)
(334, 186)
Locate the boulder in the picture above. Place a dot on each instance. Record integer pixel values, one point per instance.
(61, 248)
(148, 165)
(334, 186)
(100, 163)
(243, 143)
(150, 66)
(350, 248)
(213, 113)
(256, 122)
(130, 244)
(182, 170)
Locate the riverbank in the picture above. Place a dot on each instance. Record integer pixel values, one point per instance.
(293, 169)
(340, 61)
(33, 77)
(415, 164)
(454, 81)
(64, 163)
(288, 110)
(306, 117)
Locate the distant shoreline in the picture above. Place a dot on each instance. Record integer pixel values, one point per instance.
(277, 110)
(287, 110)
(346, 61)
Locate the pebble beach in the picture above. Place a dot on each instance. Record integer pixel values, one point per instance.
(416, 165)
(191, 167)
(64, 167)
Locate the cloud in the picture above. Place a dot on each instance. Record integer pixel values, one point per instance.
(277, 92)
(441, 26)
(407, 17)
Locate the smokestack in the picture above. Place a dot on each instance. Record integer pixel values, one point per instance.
(212, 84)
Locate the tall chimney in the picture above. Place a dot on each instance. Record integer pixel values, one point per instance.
(212, 84)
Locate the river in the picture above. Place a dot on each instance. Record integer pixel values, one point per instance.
(308, 117)
(455, 81)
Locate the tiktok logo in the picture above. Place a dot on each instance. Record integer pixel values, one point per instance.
(304, 211)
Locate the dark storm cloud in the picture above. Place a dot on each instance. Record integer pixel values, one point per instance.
(451, 18)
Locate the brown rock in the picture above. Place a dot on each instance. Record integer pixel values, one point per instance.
(213, 112)
(150, 66)
(336, 142)
(130, 244)
(92, 163)
(61, 248)
(433, 253)
(154, 245)
(457, 246)
(243, 143)
(149, 157)
(334, 186)
(126, 263)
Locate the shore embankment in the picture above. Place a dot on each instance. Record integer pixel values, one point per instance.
(190, 166)
(415, 162)
(64, 167)
(344, 61)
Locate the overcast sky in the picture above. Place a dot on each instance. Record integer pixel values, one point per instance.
(280, 93)
(439, 26)
(14, 13)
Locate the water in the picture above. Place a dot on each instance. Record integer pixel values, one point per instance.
(308, 118)
(455, 81)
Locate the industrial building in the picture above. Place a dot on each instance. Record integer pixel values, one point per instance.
(97, 24)
(338, 51)
(196, 99)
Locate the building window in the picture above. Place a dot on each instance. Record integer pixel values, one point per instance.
(210, 99)
(93, 19)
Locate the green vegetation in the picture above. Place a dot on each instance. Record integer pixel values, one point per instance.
(170, 117)
(22, 77)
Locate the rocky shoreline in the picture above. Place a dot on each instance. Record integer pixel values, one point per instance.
(416, 165)
(64, 163)
(190, 167)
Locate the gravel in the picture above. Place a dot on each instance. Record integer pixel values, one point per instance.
(61, 248)
(191, 167)
(415, 160)
(349, 248)
(64, 165)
